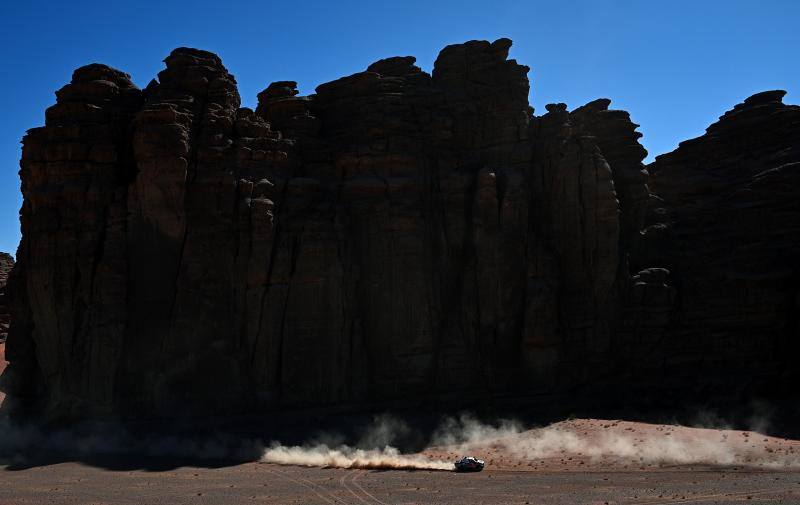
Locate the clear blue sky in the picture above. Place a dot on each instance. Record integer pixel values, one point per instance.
(675, 65)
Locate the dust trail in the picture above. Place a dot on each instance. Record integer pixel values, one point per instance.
(598, 439)
(374, 450)
(592, 440)
(349, 457)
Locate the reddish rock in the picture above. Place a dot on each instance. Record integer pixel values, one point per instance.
(6, 264)
(395, 238)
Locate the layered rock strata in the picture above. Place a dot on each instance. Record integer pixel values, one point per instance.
(6, 264)
(397, 237)
(724, 220)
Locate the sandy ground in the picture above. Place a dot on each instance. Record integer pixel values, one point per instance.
(72, 483)
(641, 472)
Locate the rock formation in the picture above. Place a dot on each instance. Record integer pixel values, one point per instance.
(6, 264)
(397, 237)
(725, 224)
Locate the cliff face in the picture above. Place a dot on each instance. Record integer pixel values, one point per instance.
(395, 237)
(6, 264)
(725, 224)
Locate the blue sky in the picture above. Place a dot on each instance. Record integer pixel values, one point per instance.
(675, 65)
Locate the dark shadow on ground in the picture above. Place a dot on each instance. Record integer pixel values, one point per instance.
(121, 463)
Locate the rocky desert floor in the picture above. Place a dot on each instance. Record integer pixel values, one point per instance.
(74, 483)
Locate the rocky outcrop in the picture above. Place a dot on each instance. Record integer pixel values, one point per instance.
(725, 223)
(6, 264)
(397, 237)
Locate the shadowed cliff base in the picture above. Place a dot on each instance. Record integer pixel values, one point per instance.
(396, 239)
(411, 441)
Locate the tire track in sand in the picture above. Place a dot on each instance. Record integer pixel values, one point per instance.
(331, 499)
(361, 488)
(343, 482)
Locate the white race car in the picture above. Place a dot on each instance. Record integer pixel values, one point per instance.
(469, 464)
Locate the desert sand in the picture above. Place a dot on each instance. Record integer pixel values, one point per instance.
(143, 483)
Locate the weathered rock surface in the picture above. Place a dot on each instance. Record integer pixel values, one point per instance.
(6, 264)
(396, 237)
(726, 225)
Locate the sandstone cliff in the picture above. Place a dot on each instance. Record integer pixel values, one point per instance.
(6, 264)
(726, 225)
(395, 237)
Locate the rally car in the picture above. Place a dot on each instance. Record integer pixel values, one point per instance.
(469, 464)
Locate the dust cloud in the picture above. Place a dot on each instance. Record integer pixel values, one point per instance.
(589, 440)
(660, 444)
(383, 445)
(349, 457)
(373, 451)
